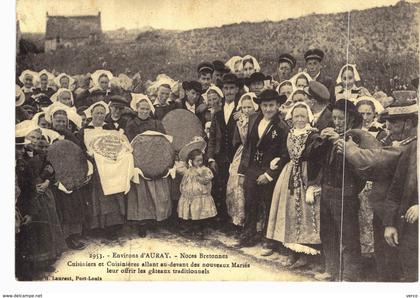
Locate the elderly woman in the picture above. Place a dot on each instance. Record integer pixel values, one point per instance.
(149, 201)
(107, 212)
(41, 239)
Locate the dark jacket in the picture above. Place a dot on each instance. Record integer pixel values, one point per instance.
(378, 166)
(325, 119)
(120, 123)
(403, 191)
(335, 169)
(220, 147)
(137, 126)
(258, 153)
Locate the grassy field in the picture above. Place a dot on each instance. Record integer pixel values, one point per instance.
(383, 42)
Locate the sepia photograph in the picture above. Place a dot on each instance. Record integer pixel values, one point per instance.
(194, 140)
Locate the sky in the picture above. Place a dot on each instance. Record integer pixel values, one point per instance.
(181, 14)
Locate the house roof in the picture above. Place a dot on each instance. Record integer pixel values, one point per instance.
(70, 27)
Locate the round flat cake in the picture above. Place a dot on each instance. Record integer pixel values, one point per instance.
(183, 126)
(69, 163)
(153, 154)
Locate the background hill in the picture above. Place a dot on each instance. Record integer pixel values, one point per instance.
(384, 43)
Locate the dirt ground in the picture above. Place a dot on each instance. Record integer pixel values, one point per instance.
(249, 264)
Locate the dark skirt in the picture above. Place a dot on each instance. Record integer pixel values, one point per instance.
(71, 210)
(105, 210)
(42, 240)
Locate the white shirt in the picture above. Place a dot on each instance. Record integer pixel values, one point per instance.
(227, 110)
(262, 127)
(190, 108)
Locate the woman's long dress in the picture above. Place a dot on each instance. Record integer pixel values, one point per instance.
(71, 207)
(42, 239)
(104, 210)
(366, 211)
(235, 199)
(150, 199)
(292, 221)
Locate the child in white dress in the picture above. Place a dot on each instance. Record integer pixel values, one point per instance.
(196, 203)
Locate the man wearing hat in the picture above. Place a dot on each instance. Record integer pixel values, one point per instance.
(286, 64)
(221, 149)
(266, 139)
(193, 100)
(220, 70)
(313, 58)
(319, 102)
(389, 168)
(255, 82)
(205, 72)
(119, 112)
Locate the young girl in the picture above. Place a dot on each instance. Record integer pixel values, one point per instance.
(235, 199)
(294, 213)
(196, 202)
(346, 83)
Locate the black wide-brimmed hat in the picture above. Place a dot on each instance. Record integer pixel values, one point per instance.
(348, 107)
(231, 78)
(288, 58)
(270, 95)
(220, 66)
(118, 99)
(256, 77)
(314, 54)
(192, 85)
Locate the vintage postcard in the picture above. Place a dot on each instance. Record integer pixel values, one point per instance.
(216, 140)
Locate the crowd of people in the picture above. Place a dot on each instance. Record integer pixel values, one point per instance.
(312, 168)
